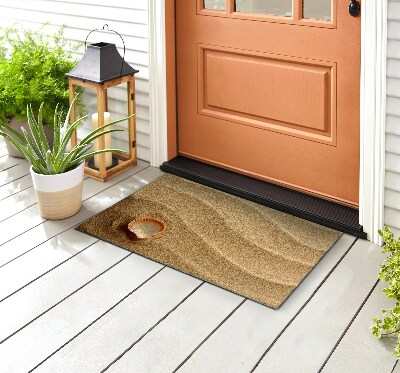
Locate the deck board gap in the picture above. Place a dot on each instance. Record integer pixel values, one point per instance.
(69, 295)
(209, 335)
(303, 306)
(394, 366)
(153, 327)
(48, 238)
(18, 212)
(348, 326)
(16, 179)
(103, 314)
(43, 274)
(8, 167)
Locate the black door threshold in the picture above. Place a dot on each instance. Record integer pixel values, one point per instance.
(317, 210)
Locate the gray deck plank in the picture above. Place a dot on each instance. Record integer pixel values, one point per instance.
(15, 186)
(14, 173)
(20, 201)
(359, 351)
(309, 339)
(30, 217)
(164, 321)
(7, 162)
(168, 344)
(106, 339)
(17, 203)
(56, 327)
(36, 262)
(238, 344)
(18, 224)
(56, 285)
(111, 194)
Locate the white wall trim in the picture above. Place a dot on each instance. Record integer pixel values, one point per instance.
(157, 83)
(373, 105)
(373, 116)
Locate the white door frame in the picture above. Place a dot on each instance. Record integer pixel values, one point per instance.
(373, 116)
(373, 105)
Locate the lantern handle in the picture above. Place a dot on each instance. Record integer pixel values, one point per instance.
(108, 29)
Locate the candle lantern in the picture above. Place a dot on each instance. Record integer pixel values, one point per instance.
(101, 68)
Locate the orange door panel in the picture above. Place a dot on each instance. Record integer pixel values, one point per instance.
(273, 97)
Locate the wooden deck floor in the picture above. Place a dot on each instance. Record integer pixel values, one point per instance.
(72, 303)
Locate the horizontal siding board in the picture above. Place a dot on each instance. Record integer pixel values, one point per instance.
(75, 21)
(393, 50)
(393, 68)
(78, 34)
(392, 144)
(394, 30)
(393, 105)
(134, 4)
(130, 19)
(392, 162)
(395, 231)
(392, 199)
(393, 11)
(392, 177)
(125, 14)
(392, 217)
(393, 125)
(393, 87)
(392, 181)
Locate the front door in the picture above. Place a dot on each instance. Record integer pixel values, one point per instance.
(270, 89)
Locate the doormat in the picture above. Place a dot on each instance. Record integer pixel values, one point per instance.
(249, 249)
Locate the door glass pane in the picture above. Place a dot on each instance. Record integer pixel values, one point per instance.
(215, 4)
(274, 7)
(317, 9)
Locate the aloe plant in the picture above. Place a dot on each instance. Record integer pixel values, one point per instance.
(47, 161)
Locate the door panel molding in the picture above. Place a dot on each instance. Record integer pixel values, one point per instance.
(373, 96)
(275, 76)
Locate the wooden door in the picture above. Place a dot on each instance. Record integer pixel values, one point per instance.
(270, 88)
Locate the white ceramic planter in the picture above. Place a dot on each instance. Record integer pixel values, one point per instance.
(59, 196)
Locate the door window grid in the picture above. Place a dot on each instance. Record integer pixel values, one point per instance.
(271, 7)
(302, 11)
(215, 4)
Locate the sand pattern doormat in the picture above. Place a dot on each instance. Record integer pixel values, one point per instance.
(249, 249)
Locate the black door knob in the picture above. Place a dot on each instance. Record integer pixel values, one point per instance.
(354, 8)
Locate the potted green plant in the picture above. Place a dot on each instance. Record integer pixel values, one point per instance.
(32, 71)
(57, 173)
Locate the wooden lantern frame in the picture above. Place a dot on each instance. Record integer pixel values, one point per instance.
(124, 161)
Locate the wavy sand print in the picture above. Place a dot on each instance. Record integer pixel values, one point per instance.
(259, 253)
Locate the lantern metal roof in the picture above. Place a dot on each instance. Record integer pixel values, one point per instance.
(101, 63)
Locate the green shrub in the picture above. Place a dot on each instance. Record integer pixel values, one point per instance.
(32, 71)
(389, 324)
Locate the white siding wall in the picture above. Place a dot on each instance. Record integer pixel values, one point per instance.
(392, 184)
(128, 17)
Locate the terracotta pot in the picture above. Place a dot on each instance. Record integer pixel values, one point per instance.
(59, 196)
(16, 125)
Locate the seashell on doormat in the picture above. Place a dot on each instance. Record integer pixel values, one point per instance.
(146, 228)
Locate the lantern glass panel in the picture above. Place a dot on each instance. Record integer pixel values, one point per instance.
(86, 125)
(118, 109)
